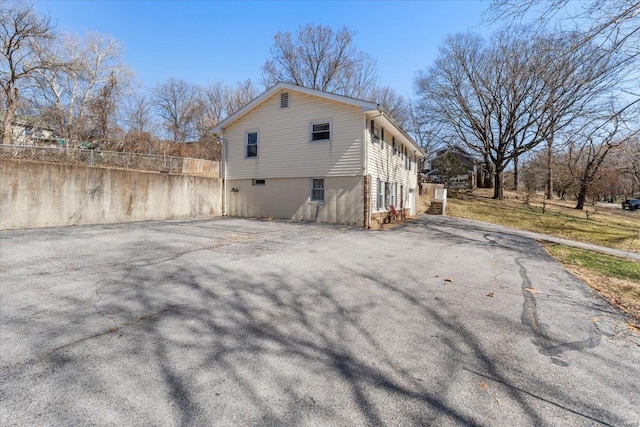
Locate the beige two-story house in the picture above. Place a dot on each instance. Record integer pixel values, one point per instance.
(306, 155)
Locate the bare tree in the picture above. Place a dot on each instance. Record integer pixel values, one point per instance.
(486, 99)
(613, 26)
(239, 96)
(629, 162)
(393, 103)
(319, 58)
(177, 103)
(89, 69)
(137, 108)
(23, 32)
(429, 134)
(102, 109)
(590, 146)
(504, 97)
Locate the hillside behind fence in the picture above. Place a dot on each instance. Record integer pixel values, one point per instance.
(112, 159)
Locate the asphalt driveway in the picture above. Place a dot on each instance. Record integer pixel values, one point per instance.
(244, 322)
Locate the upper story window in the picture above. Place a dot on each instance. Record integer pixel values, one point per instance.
(284, 100)
(320, 131)
(382, 138)
(375, 132)
(395, 148)
(252, 144)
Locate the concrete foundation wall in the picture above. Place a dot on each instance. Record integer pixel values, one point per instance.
(288, 198)
(36, 195)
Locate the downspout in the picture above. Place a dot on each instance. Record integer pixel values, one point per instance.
(365, 146)
(224, 175)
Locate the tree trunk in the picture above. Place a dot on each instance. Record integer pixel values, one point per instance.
(497, 186)
(549, 191)
(7, 129)
(9, 114)
(582, 195)
(515, 174)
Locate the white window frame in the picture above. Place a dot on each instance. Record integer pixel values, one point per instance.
(320, 122)
(312, 188)
(246, 143)
(375, 132)
(380, 196)
(388, 194)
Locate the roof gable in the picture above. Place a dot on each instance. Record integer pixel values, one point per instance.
(364, 105)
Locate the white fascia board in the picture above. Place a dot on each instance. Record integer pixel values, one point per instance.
(364, 105)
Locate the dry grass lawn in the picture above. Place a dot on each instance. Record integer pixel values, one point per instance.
(606, 226)
(616, 279)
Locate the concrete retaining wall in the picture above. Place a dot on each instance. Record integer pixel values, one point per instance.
(36, 194)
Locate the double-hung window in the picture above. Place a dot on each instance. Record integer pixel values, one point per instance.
(320, 131)
(388, 192)
(317, 190)
(380, 195)
(252, 144)
(375, 132)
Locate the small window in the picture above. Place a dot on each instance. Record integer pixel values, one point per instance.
(380, 195)
(284, 100)
(375, 132)
(317, 190)
(252, 144)
(258, 182)
(321, 131)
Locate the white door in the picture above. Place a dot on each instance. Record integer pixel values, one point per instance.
(412, 202)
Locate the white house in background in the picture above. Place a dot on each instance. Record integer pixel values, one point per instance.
(303, 154)
(29, 131)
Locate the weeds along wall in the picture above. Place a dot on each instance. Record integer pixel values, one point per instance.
(36, 194)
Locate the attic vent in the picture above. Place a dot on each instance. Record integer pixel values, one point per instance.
(284, 100)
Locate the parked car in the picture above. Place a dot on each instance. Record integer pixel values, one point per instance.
(631, 204)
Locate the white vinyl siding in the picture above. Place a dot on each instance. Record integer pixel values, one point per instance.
(388, 168)
(284, 148)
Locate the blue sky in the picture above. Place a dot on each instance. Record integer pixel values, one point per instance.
(206, 41)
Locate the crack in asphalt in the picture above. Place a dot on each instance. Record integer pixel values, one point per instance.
(542, 339)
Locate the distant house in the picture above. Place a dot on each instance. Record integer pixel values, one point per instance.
(457, 169)
(29, 131)
(308, 155)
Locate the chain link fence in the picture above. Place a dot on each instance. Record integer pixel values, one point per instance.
(111, 159)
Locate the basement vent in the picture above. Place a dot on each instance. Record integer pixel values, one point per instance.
(284, 100)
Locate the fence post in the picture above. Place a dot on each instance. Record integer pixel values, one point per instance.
(91, 158)
(171, 164)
